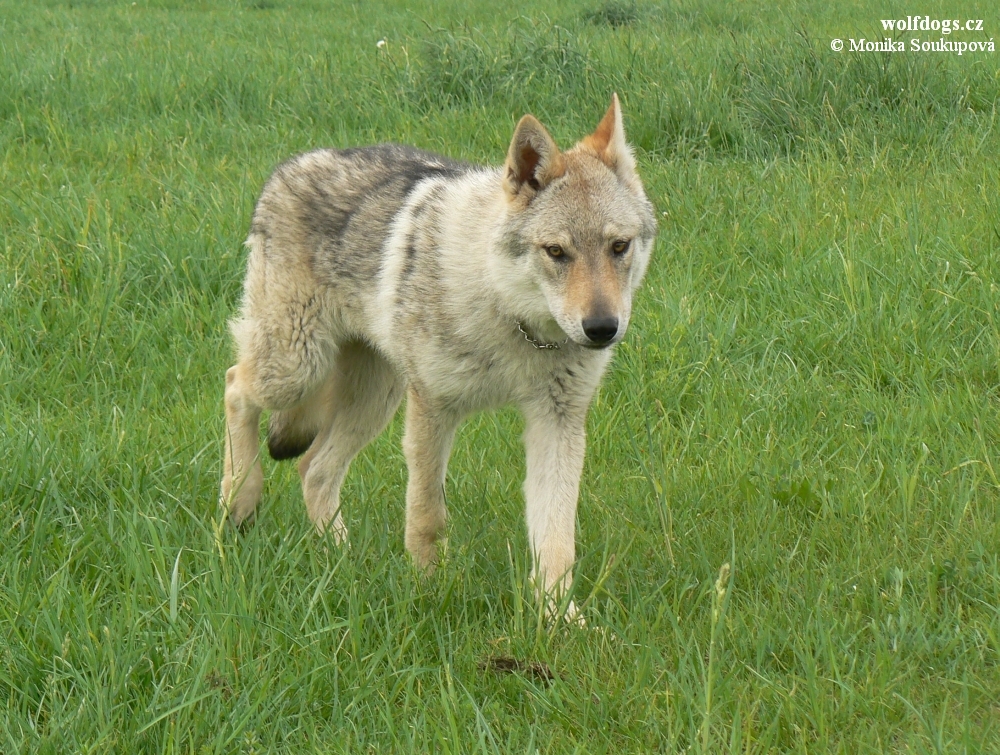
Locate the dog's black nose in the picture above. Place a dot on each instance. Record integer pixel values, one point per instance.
(600, 329)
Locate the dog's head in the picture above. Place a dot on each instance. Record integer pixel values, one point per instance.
(581, 224)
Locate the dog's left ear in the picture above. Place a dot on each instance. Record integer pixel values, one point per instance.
(533, 161)
(608, 144)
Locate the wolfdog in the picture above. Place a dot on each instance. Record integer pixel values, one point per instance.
(383, 271)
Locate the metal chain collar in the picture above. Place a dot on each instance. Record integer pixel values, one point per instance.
(536, 343)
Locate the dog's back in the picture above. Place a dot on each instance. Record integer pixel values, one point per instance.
(332, 208)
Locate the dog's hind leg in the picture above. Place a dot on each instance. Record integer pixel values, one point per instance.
(358, 401)
(246, 396)
(285, 354)
(427, 446)
(242, 478)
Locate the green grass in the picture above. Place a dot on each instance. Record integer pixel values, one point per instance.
(809, 392)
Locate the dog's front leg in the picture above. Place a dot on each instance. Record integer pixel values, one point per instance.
(555, 440)
(427, 446)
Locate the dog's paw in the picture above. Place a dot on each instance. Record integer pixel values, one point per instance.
(570, 616)
(574, 616)
(335, 531)
(426, 552)
(244, 525)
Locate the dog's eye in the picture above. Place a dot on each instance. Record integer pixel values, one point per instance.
(620, 247)
(555, 251)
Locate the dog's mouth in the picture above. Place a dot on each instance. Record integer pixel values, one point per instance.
(599, 345)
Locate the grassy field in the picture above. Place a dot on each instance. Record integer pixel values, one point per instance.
(808, 393)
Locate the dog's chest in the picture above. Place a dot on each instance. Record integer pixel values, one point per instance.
(498, 374)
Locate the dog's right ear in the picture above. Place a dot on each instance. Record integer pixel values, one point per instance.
(533, 161)
(608, 145)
